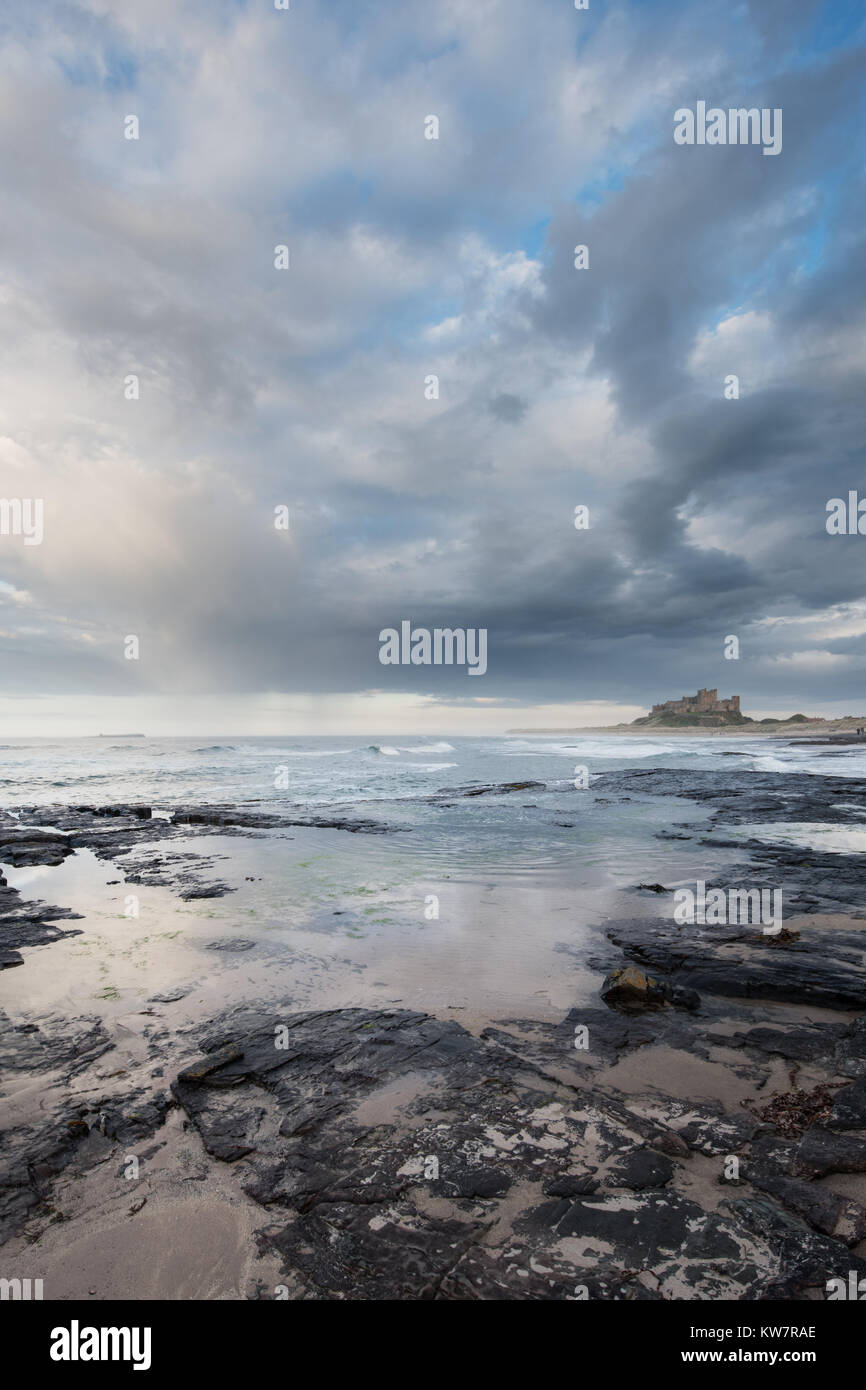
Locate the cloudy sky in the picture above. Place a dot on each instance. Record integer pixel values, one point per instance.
(412, 257)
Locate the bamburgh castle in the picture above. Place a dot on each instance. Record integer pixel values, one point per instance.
(705, 702)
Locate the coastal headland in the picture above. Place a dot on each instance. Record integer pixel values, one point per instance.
(823, 729)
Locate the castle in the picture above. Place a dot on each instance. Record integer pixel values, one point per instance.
(705, 702)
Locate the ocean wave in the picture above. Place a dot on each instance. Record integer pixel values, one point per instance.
(389, 751)
(422, 767)
(37, 779)
(216, 748)
(811, 766)
(620, 747)
(308, 752)
(766, 763)
(430, 748)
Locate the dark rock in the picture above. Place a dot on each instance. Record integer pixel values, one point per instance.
(28, 924)
(138, 1117)
(671, 1143)
(737, 963)
(851, 1049)
(475, 1182)
(351, 1187)
(206, 890)
(22, 846)
(204, 1070)
(640, 1169)
(232, 820)
(805, 1260)
(823, 1151)
(493, 789)
(836, 1216)
(569, 1186)
(638, 1230)
(771, 1155)
(32, 1155)
(630, 989)
(849, 1107)
(719, 1133)
(801, 1044)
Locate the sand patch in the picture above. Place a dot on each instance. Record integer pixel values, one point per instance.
(676, 1074)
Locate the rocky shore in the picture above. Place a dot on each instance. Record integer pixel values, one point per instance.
(698, 1132)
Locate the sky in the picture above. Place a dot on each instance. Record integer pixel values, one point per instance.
(307, 388)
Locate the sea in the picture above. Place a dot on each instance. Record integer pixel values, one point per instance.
(402, 781)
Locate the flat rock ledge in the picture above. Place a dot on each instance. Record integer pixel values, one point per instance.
(398, 1156)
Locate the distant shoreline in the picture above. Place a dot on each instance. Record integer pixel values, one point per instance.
(776, 730)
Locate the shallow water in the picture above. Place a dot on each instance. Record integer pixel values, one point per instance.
(825, 838)
(330, 919)
(487, 905)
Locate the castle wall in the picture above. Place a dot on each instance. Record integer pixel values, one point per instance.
(705, 702)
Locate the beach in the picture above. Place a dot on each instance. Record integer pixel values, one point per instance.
(415, 1019)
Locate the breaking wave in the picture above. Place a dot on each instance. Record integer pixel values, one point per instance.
(387, 750)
